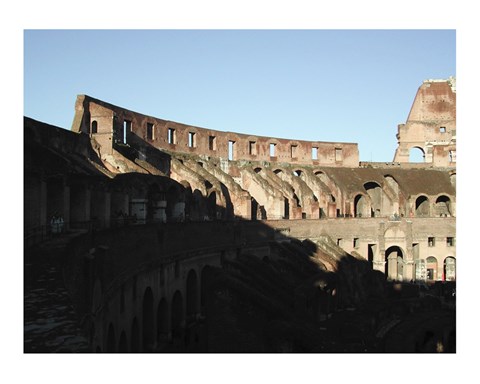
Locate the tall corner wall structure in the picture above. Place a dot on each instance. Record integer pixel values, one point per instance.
(431, 125)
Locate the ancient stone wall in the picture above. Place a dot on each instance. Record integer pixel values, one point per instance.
(431, 125)
(110, 124)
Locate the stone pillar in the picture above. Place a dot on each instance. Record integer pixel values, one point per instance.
(379, 259)
(409, 269)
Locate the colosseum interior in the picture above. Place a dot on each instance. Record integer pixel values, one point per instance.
(147, 235)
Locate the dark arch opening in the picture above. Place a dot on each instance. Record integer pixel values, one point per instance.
(148, 320)
(442, 206)
(162, 321)
(394, 263)
(177, 315)
(360, 206)
(94, 128)
(110, 339)
(135, 338)
(192, 296)
(422, 208)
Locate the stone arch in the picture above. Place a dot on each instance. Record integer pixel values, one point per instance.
(432, 268)
(394, 263)
(94, 127)
(453, 179)
(148, 320)
(203, 287)
(177, 314)
(212, 205)
(122, 344)
(449, 269)
(375, 193)
(416, 154)
(361, 206)
(443, 206)
(110, 339)
(162, 320)
(299, 173)
(192, 295)
(257, 169)
(135, 337)
(422, 206)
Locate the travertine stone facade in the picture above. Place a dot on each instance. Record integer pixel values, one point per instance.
(431, 125)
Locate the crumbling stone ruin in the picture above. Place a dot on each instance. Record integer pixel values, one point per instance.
(165, 237)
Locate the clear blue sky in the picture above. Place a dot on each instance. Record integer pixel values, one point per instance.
(326, 85)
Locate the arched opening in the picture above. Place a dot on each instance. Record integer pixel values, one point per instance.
(422, 207)
(203, 288)
(148, 321)
(416, 155)
(177, 315)
(449, 269)
(394, 263)
(94, 127)
(375, 193)
(212, 206)
(135, 338)
(298, 172)
(162, 321)
(361, 206)
(443, 206)
(432, 268)
(192, 296)
(453, 179)
(258, 170)
(110, 339)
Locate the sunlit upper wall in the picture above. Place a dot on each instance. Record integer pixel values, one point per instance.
(110, 124)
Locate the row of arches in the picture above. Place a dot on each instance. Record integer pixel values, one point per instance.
(428, 269)
(160, 321)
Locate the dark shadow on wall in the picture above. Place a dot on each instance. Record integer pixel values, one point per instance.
(259, 290)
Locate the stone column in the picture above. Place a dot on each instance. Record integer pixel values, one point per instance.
(379, 258)
(409, 270)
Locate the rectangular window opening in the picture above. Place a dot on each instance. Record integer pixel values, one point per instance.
(252, 148)
(273, 150)
(212, 143)
(314, 153)
(231, 150)
(449, 241)
(338, 154)
(192, 140)
(431, 241)
(150, 131)
(171, 136)
(127, 127)
(356, 242)
(293, 151)
(443, 129)
(339, 242)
